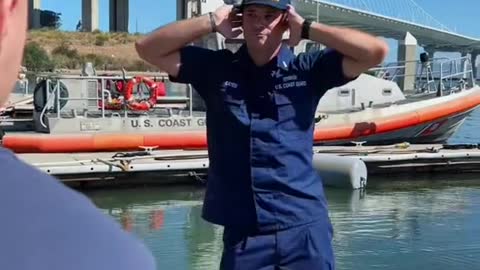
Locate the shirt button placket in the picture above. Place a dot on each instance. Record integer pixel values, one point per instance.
(252, 116)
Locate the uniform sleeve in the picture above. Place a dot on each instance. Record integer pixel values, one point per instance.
(46, 225)
(196, 67)
(325, 68)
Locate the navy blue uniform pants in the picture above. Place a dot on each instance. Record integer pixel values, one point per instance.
(306, 247)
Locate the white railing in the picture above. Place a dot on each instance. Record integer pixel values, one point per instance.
(461, 77)
(105, 94)
(444, 73)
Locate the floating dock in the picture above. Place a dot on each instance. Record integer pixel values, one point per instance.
(163, 167)
(187, 166)
(408, 159)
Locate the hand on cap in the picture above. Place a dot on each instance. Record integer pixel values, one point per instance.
(228, 21)
(295, 22)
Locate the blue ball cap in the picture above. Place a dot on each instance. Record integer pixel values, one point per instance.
(279, 4)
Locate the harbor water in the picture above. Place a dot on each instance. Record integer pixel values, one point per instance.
(424, 223)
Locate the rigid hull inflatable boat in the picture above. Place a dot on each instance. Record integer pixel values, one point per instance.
(90, 113)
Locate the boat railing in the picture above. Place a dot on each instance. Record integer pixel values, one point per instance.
(430, 76)
(398, 69)
(461, 77)
(54, 96)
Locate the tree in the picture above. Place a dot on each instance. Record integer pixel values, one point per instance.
(50, 19)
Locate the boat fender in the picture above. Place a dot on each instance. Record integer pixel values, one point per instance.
(341, 172)
(40, 96)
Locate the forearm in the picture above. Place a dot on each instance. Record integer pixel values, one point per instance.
(358, 46)
(173, 37)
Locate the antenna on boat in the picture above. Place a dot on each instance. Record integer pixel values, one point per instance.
(124, 74)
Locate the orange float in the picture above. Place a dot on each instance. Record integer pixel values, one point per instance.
(196, 139)
(397, 122)
(70, 143)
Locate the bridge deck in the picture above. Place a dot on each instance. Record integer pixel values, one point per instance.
(388, 27)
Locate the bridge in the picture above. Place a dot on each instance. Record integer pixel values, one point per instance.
(391, 19)
(402, 20)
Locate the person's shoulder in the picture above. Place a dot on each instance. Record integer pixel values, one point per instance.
(324, 57)
(316, 54)
(42, 216)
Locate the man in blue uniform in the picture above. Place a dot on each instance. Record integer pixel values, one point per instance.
(260, 103)
(45, 225)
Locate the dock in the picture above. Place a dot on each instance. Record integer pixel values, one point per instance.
(190, 166)
(408, 159)
(107, 168)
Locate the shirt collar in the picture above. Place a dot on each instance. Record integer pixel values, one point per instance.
(282, 60)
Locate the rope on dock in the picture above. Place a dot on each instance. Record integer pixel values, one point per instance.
(124, 164)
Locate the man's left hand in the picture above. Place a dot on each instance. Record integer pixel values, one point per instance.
(295, 22)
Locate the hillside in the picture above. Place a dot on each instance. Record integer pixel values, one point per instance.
(69, 50)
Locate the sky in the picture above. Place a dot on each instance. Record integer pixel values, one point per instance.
(147, 15)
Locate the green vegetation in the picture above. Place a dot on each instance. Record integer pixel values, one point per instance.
(49, 50)
(36, 58)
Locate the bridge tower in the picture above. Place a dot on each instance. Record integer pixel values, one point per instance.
(407, 50)
(34, 13)
(90, 15)
(474, 56)
(119, 12)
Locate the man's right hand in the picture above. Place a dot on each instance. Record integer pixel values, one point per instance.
(166, 55)
(228, 21)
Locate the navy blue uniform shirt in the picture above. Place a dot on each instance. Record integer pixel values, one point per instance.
(46, 226)
(260, 123)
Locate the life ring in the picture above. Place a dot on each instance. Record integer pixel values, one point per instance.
(141, 105)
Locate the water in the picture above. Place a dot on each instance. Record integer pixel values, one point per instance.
(383, 228)
(468, 132)
(416, 224)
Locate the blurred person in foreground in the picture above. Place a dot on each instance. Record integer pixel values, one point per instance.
(45, 225)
